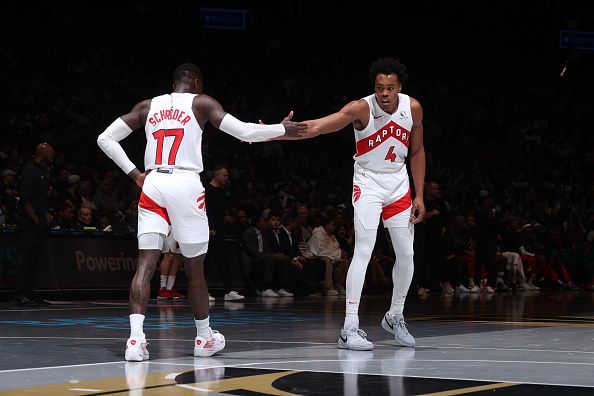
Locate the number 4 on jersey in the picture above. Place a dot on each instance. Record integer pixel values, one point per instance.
(160, 135)
(391, 156)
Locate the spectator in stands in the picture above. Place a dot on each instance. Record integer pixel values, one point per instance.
(85, 191)
(280, 274)
(303, 222)
(64, 218)
(488, 227)
(71, 194)
(33, 207)
(429, 243)
(259, 258)
(323, 245)
(84, 220)
(105, 197)
(304, 271)
(216, 206)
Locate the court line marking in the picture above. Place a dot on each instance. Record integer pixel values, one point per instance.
(61, 367)
(84, 389)
(383, 343)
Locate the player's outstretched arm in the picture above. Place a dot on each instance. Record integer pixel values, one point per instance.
(212, 110)
(335, 122)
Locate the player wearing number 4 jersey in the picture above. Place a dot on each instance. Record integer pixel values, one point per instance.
(388, 128)
(172, 194)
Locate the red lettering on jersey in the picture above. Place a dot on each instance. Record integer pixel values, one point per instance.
(390, 130)
(173, 114)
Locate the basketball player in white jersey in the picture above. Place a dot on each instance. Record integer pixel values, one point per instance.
(172, 194)
(388, 127)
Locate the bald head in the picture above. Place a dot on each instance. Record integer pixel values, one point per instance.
(44, 152)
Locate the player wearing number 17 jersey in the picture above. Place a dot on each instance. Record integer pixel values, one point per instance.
(388, 128)
(172, 194)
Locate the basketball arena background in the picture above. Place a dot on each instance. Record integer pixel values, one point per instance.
(505, 87)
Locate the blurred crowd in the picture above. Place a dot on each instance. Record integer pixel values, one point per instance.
(509, 167)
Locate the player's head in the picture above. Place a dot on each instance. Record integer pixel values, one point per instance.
(388, 66)
(387, 75)
(187, 77)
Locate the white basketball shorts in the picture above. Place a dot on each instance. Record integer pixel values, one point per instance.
(385, 195)
(174, 199)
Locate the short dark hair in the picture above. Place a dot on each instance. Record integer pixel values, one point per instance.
(218, 167)
(187, 71)
(388, 66)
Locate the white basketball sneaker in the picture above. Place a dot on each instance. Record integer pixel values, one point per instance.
(355, 339)
(136, 350)
(205, 347)
(397, 326)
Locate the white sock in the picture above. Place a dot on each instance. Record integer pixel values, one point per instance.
(351, 321)
(163, 279)
(203, 327)
(136, 321)
(170, 282)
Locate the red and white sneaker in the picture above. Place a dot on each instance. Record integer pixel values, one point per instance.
(177, 295)
(164, 294)
(205, 347)
(136, 350)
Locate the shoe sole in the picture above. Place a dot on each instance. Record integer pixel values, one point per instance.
(216, 348)
(137, 358)
(342, 345)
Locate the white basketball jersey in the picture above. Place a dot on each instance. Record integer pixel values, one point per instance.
(383, 144)
(173, 135)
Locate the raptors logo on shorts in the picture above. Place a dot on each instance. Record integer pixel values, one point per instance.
(201, 202)
(356, 193)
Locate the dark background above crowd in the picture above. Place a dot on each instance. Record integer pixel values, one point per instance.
(499, 118)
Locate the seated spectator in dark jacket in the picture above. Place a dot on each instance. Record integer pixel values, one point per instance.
(304, 272)
(261, 267)
(85, 219)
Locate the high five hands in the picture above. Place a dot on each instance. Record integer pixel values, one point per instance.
(293, 129)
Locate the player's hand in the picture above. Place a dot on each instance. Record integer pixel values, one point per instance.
(292, 128)
(140, 179)
(418, 210)
(137, 176)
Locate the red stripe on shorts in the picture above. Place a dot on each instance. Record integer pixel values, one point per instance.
(397, 206)
(146, 203)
